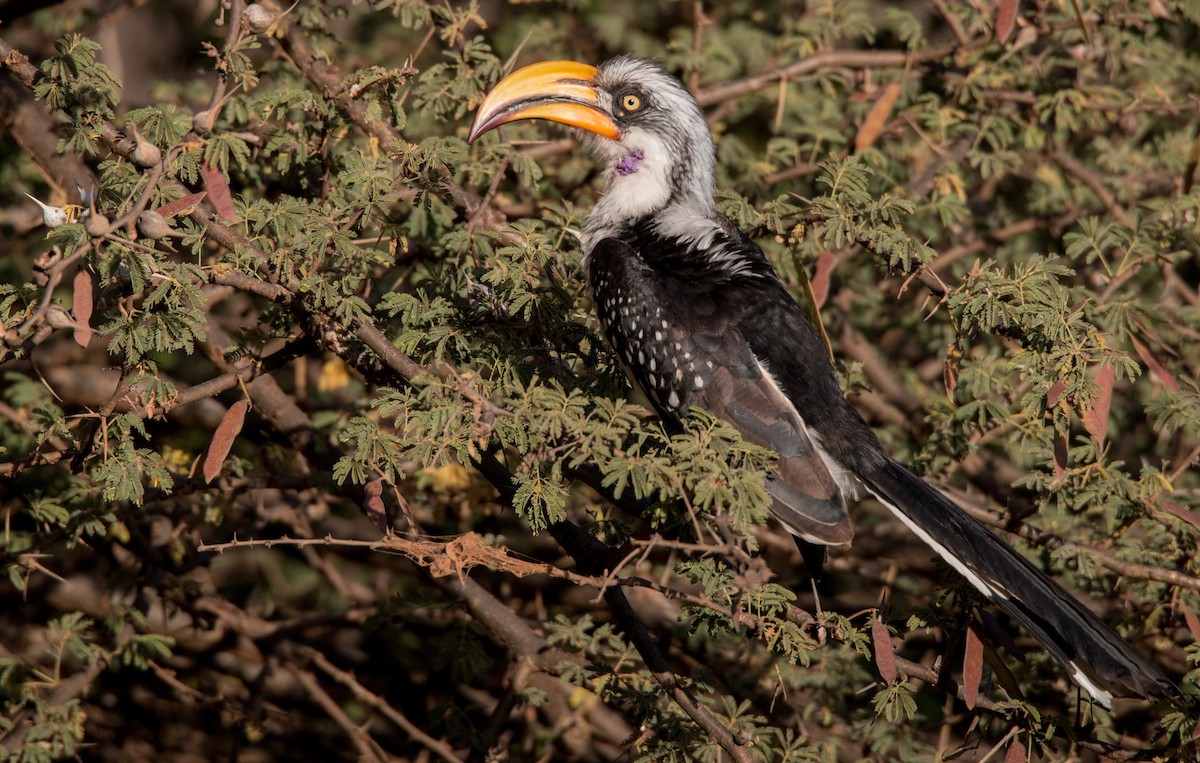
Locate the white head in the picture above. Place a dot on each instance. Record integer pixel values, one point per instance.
(637, 118)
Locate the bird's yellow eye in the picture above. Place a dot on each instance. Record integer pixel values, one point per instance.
(631, 102)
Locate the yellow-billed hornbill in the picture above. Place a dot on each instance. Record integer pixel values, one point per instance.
(696, 313)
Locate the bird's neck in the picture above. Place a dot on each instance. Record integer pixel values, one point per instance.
(652, 177)
(679, 207)
(691, 241)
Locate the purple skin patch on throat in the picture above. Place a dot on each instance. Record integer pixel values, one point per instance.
(628, 164)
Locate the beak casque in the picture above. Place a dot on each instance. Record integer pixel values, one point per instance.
(561, 91)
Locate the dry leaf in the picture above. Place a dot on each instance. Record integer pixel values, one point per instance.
(972, 668)
(1060, 453)
(1095, 421)
(181, 205)
(1187, 516)
(1016, 750)
(820, 279)
(219, 194)
(335, 374)
(1006, 17)
(881, 642)
(1054, 393)
(950, 369)
(447, 477)
(222, 441)
(1193, 622)
(877, 118)
(1157, 370)
(81, 306)
(1000, 672)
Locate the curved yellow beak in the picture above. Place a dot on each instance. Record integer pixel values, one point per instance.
(561, 91)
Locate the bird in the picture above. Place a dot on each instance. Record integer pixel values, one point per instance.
(699, 318)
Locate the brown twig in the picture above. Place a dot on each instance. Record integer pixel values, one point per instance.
(382, 706)
(952, 21)
(591, 556)
(315, 69)
(699, 23)
(1094, 182)
(849, 59)
(66, 690)
(368, 748)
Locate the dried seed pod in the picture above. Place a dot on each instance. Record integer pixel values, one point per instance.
(259, 18)
(96, 225)
(52, 217)
(146, 154)
(202, 121)
(59, 318)
(153, 225)
(82, 305)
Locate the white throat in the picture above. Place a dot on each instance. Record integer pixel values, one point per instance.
(644, 179)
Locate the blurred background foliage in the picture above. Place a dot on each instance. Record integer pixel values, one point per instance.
(292, 303)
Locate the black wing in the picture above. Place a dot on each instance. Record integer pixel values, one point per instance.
(692, 354)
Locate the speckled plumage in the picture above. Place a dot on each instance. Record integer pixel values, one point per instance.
(680, 327)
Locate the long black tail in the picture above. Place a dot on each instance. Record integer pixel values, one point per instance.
(1099, 660)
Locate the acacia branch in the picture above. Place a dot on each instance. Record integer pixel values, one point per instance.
(591, 555)
(847, 59)
(64, 691)
(1094, 182)
(313, 66)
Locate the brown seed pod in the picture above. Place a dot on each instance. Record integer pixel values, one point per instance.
(259, 18)
(146, 154)
(202, 121)
(96, 225)
(153, 225)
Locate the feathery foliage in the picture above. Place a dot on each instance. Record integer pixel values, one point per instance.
(994, 204)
